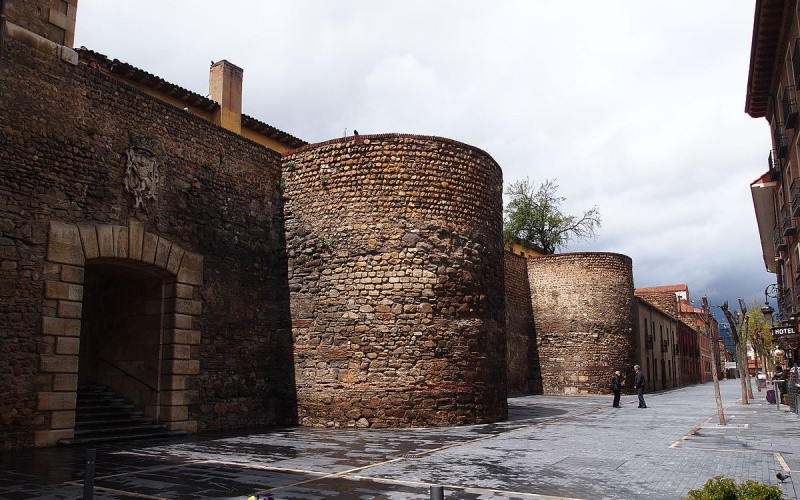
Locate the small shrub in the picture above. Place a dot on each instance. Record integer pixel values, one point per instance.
(716, 488)
(753, 490)
(722, 488)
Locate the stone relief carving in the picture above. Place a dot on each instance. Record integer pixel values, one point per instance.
(141, 172)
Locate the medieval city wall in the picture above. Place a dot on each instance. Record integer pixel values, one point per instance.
(524, 376)
(584, 317)
(37, 18)
(214, 229)
(396, 280)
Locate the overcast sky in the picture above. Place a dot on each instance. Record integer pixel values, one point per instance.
(634, 106)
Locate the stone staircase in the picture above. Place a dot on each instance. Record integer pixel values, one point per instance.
(101, 416)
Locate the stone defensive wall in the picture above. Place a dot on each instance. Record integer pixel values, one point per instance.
(523, 356)
(583, 307)
(396, 282)
(82, 247)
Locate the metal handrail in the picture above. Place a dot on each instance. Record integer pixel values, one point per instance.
(131, 375)
(781, 143)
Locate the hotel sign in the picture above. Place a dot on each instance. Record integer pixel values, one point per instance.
(784, 330)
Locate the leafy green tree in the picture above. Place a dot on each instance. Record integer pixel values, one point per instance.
(760, 337)
(534, 218)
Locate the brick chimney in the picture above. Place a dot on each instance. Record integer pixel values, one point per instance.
(225, 87)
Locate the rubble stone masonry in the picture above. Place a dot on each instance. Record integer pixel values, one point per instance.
(213, 231)
(524, 376)
(584, 317)
(396, 282)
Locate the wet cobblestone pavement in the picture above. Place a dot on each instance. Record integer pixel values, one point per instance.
(551, 447)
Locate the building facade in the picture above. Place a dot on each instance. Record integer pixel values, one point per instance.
(656, 346)
(690, 340)
(772, 86)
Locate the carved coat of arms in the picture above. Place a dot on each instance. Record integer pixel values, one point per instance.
(141, 172)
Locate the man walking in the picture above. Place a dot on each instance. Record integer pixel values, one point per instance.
(616, 385)
(638, 382)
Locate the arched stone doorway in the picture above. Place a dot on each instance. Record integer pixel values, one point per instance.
(118, 295)
(122, 330)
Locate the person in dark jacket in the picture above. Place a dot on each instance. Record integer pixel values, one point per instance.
(616, 387)
(638, 383)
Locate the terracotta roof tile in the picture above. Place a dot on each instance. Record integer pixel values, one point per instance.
(131, 73)
(665, 288)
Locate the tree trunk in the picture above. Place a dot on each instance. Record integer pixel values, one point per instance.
(715, 378)
(741, 362)
(714, 365)
(744, 351)
(738, 344)
(749, 382)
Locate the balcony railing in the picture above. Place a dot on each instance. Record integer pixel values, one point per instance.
(648, 342)
(775, 165)
(664, 346)
(796, 60)
(787, 222)
(780, 242)
(793, 191)
(789, 106)
(780, 142)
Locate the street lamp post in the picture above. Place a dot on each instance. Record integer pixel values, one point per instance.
(771, 291)
(767, 310)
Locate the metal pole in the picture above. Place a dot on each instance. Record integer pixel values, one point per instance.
(88, 475)
(777, 390)
(437, 492)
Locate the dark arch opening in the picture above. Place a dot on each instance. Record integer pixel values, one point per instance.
(122, 331)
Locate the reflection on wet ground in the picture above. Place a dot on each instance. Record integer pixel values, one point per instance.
(555, 446)
(238, 464)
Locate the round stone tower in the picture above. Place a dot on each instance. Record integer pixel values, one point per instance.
(396, 282)
(583, 310)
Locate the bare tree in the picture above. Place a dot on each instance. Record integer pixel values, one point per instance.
(745, 339)
(714, 361)
(737, 342)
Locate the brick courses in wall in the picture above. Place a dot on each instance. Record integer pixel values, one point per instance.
(213, 232)
(396, 280)
(584, 317)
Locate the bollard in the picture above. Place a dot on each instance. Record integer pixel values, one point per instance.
(437, 492)
(88, 475)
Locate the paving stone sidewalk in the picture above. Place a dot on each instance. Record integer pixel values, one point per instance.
(556, 447)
